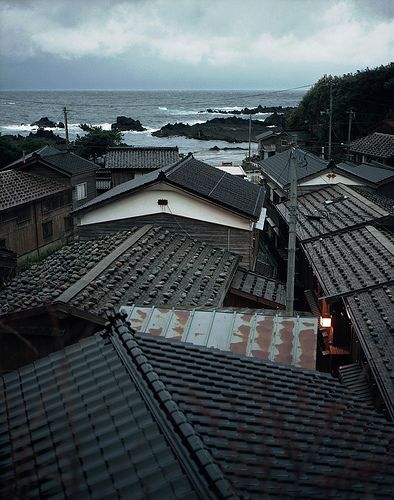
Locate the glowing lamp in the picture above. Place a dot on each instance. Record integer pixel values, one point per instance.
(325, 322)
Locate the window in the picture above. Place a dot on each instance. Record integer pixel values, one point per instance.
(82, 191)
(47, 229)
(283, 142)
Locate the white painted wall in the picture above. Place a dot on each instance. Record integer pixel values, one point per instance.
(324, 179)
(179, 203)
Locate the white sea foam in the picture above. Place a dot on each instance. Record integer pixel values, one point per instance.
(163, 108)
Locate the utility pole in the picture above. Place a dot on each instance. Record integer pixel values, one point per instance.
(66, 125)
(291, 247)
(330, 124)
(250, 134)
(349, 131)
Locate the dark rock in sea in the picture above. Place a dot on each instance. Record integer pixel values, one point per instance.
(275, 119)
(215, 148)
(60, 125)
(44, 122)
(48, 135)
(250, 111)
(125, 123)
(230, 129)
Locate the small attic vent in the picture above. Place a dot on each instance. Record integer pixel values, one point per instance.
(162, 202)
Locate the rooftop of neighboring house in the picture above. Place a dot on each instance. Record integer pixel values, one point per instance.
(256, 333)
(144, 266)
(372, 314)
(18, 188)
(140, 158)
(132, 415)
(372, 172)
(376, 145)
(277, 166)
(63, 161)
(377, 198)
(333, 209)
(259, 287)
(352, 261)
(198, 178)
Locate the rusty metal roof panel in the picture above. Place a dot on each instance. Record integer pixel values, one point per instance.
(253, 333)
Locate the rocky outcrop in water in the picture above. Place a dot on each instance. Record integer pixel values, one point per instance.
(125, 123)
(45, 122)
(222, 129)
(250, 111)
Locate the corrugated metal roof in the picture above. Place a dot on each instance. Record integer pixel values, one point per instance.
(291, 341)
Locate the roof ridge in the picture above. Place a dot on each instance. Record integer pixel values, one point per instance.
(194, 455)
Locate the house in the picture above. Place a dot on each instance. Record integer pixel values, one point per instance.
(346, 266)
(190, 197)
(78, 173)
(128, 415)
(126, 163)
(373, 174)
(277, 140)
(34, 213)
(376, 146)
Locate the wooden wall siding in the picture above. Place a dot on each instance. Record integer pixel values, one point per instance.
(90, 179)
(23, 238)
(233, 240)
(120, 176)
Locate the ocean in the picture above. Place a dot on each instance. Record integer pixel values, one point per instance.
(19, 109)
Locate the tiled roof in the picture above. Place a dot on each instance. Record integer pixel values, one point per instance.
(259, 286)
(377, 145)
(370, 172)
(75, 425)
(68, 162)
(352, 261)
(277, 166)
(18, 188)
(198, 178)
(256, 333)
(145, 417)
(377, 198)
(372, 314)
(146, 266)
(141, 157)
(316, 218)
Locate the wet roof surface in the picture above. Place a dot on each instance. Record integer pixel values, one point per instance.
(259, 286)
(316, 218)
(122, 413)
(372, 313)
(340, 271)
(145, 266)
(253, 333)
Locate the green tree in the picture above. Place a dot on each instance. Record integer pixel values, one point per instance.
(96, 140)
(370, 93)
(12, 148)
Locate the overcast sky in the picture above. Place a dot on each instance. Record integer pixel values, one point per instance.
(189, 44)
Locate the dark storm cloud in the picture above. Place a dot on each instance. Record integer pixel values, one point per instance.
(263, 40)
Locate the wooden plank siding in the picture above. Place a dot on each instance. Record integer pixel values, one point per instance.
(26, 236)
(234, 240)
(90, 179)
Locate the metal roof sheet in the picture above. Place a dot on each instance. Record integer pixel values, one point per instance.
(252, 333)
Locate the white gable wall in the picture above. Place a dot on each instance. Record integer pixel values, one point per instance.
(325, 179)
(145, 202)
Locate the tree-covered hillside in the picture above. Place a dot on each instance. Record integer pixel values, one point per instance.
(369, 93)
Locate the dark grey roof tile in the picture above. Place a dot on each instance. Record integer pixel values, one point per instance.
(197, 177)
(377, 145)
(144, 158)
